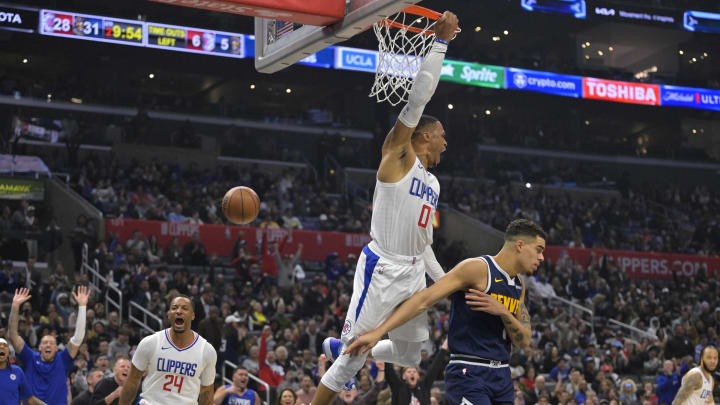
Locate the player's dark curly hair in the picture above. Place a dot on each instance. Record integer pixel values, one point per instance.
(523, 227)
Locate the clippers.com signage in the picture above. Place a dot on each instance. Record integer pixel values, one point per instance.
(621, 92)
(642, 265)
(220, 239)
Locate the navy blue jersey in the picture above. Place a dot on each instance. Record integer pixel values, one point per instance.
(481, 334)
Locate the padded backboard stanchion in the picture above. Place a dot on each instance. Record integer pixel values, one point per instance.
(310, 12)
(275, 51)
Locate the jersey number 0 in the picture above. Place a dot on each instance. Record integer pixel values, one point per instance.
(424, 216)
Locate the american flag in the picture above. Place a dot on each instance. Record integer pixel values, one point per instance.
(283, 27)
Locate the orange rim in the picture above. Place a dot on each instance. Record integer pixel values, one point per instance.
(395, 24)
(422, 11)
(415, 10)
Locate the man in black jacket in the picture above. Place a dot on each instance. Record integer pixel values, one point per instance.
(107, 391)
(313, 338)
(93, 377)
(411, 390)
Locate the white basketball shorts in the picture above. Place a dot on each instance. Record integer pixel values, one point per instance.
(382, 283)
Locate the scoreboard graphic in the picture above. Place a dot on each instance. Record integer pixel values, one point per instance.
(140, 33)
(92, 27)
(195, 40)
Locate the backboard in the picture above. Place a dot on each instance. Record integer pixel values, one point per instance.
(279, 44)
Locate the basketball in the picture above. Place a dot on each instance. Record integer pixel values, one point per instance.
(241, 205)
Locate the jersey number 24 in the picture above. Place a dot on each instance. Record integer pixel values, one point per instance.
(173, 381)
(424, 216)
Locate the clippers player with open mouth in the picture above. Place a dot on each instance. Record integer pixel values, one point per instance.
(180, 364)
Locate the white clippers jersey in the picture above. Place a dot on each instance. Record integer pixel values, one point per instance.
(701, 396)
(174, 375)
(403, 212)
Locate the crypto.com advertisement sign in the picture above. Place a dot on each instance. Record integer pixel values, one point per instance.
(544, 82)
(642, 265)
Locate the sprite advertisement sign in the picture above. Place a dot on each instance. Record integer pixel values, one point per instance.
(18, 188)
(473, 74)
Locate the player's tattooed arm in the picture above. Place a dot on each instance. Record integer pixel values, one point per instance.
(518, 327)
(206, 395)
(691, 382)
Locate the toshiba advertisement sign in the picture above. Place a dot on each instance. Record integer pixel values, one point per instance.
(621, 92)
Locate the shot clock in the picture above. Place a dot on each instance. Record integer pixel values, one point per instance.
(90, 27)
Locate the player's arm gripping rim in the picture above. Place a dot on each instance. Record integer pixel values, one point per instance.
(129, 389)
(398, 155)
(690, 383)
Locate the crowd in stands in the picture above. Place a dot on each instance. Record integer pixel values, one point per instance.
(671, 220)
(678, 218)
(167, 192)
(275, 332)
(28, 230)
(569, 360)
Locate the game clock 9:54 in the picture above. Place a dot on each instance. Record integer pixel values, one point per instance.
(122, 31)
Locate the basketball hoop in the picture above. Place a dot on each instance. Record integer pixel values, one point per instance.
(403, 40)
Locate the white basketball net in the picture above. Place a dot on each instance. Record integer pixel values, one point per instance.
(400, 54)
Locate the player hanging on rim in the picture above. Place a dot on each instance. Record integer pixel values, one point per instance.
(697, 384)
(479, 342)
(392, 267)
(180, 364)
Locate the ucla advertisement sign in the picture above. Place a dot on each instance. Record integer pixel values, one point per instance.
(544, 82)
(473, 74)
(361, 60)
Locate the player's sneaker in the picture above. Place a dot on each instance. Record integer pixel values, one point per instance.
(332, 348)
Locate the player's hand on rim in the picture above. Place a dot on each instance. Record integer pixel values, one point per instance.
(446, 26)
(480, 301)
(362, 344)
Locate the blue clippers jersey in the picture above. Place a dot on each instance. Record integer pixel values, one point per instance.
(248, 398)
(478, 333)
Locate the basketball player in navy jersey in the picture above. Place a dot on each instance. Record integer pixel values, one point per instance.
(488, 314)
